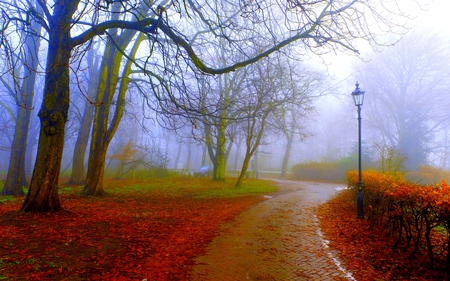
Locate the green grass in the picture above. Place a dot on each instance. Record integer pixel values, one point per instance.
(8, 199)
(172, 187)
(249, 187)
(192, 187)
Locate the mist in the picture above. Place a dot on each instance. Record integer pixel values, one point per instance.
(406, 86)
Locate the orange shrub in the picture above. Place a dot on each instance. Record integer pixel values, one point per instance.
(408, 211)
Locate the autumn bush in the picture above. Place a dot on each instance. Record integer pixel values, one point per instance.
(417, 216)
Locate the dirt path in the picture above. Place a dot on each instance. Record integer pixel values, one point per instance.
(278, 239)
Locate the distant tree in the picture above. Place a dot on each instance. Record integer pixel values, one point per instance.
(78, 175)
(6, 127)
(22, 89)
(8, 123)
(106, 117)
(290, 126)
(218, 121)
(391, 160)
(289, 119)
(405, 94)
(267, 93)
(130, 157)
(124, 155)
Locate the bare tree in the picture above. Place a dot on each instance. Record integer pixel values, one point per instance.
(218, 120)
(78, 175)
(407, 104)
(69, 30)
(23, 82)
(268, 92)
(289, 118)
(106, 123)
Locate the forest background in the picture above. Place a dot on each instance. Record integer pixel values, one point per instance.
(265, 117)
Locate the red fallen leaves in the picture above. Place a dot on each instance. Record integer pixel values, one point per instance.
(366, 252)
(138, 236)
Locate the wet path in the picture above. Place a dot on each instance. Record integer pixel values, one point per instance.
(278, 239)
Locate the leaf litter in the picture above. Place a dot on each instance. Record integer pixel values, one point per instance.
(141, 235)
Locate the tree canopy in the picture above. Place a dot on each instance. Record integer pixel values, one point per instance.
(178, 37)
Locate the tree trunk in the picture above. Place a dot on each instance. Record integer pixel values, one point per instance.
(204, 155)
(287, 154)
(255, 165)
(101, 134)
(189, 155)
(33, 134)
(108, 78)
(15, 178)
(252, 134)
(99, 144)
(177, 158)
(77, 176)
(244, 169)
(78, 172)
(219, 159)
(43, 190)
(166, 148)
(96, 170)
(238, 152)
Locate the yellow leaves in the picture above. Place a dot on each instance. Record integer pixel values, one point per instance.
(125, 153)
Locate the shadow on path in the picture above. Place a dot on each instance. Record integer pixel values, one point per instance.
(278, 239)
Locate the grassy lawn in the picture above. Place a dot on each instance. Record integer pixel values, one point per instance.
(149, 229)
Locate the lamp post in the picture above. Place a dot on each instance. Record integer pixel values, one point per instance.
(358, 98)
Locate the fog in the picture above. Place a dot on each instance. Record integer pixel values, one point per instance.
(406, 88)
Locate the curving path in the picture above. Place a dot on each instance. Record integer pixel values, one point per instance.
(278, 239)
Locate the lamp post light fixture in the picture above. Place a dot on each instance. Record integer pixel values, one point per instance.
(358, 98)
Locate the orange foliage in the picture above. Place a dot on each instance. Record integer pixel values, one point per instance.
(125, 153)
(416, 216)
(367, 251)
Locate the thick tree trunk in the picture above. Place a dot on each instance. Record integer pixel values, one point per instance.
(43, 191)
(101, 134)
(219, 167)
(108, 77)
(78, 175)
(219, 159)
(96, 171)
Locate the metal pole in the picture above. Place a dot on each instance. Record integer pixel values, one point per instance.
(359, 199)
